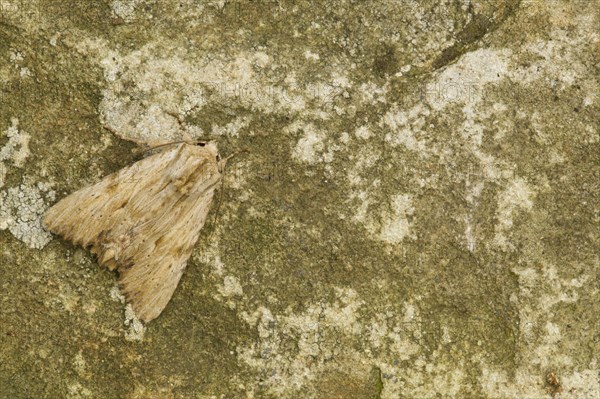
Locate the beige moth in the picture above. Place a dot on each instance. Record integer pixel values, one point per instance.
(144, 219)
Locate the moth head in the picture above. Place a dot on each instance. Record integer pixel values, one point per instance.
(211, 147)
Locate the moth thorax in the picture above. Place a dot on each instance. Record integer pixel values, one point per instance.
(212, 147)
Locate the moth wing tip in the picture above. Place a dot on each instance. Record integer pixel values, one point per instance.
(48, 220)
(51, 223)
(141, 309)
(144, 313)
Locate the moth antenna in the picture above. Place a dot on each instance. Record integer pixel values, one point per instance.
(191, 142)
(240, 151)
(149, 146)
(110, 129)
(217, 210)
(224, 162)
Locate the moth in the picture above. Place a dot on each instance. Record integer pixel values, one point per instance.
(145, 219)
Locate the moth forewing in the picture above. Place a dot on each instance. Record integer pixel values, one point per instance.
(144, 220)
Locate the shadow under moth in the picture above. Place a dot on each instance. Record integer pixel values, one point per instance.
(144, 219)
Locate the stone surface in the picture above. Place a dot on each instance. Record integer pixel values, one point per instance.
(417, 216)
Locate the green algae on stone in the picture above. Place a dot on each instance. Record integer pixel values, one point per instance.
(416, 216)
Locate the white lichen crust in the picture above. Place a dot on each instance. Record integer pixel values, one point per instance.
(21, 210)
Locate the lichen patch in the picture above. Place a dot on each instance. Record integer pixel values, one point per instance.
(21, 211)
(16, 150)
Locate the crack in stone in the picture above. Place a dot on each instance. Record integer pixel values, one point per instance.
(472, 34)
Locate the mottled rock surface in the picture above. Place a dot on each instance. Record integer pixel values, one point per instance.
(418, 215)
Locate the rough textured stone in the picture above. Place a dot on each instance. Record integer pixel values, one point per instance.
(417, 216)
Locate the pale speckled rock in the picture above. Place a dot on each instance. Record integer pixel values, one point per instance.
(16, 150)
(21, 211)
(417, 216)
